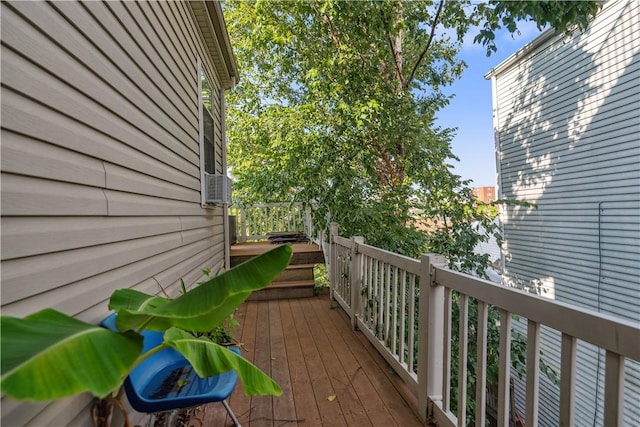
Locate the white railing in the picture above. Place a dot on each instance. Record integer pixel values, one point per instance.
(404, 307)
(257, 221)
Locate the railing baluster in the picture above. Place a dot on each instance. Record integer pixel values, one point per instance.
(412, 321)
(256, 224)
(504, 369)
(380, 300)
(255, 220)
(463, 334)
(346, 279)
(403, 317)
(567, 380)
(481, 363)
(243, 225)
(387, 309)
(533, 372)
(369, 290)
(365, 289)
(394, 321)
(446, 352)
(613, 390)
(374, 293)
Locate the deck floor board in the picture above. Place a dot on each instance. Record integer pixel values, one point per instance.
(303, 395)
(311, 351)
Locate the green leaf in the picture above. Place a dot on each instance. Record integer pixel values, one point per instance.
(134, 301)
(209, 358)
(206, 306)
(49, 355)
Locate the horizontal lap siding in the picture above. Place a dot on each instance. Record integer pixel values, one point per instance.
(100, 163)
(569, 141)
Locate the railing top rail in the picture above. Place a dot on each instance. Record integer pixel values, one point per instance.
(342, 241)
(270, 205)
(614, 334)
(408, 264)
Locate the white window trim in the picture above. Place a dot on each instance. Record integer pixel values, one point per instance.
(200, 130)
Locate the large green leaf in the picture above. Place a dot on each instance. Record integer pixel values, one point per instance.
(209, 358)
(134, 301)
(49, 355)
(207, 305)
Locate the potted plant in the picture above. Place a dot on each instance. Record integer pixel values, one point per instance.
(50, 355)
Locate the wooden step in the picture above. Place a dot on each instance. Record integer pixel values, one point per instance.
(283, 290)
(296, 272)
(303, 253)
(296, 258)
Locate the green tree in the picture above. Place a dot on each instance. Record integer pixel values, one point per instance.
(337, 101)
(336, 108)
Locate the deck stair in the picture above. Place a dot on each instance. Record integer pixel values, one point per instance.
(296, 281)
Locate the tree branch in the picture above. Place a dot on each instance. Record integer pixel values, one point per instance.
(426, 48)
(332, 29)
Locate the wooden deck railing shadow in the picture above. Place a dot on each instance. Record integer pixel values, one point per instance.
(404, 307)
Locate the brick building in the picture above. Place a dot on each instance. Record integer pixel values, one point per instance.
(485, 194)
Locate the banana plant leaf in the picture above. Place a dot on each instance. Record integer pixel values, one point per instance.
(49, 355)
(209, 358)
(205, 306)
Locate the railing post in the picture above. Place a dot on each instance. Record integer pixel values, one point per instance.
(355, 271)
(430, 334)
(333, 259)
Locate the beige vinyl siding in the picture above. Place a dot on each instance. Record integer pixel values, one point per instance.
(568, 139)
(100, 162)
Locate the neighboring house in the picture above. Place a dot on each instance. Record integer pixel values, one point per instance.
(567, 128)
(112, 112)
(484, 194)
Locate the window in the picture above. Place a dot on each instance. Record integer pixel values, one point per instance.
(206, 101)
(207, 127)
(215, 185)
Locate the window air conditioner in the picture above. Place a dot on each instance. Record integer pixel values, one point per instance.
(218, 188)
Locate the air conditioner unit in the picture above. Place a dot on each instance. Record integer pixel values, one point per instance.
(218, 188)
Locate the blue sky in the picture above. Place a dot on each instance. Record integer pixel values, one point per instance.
(470, 109)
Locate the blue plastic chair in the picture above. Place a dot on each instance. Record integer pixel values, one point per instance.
(166, 381)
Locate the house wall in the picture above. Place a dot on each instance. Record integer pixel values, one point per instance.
(567, 123)
(100, 162)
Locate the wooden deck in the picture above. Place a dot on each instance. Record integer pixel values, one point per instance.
(330, 375)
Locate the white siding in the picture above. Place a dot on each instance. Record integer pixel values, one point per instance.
(568, 139)
(100, 162)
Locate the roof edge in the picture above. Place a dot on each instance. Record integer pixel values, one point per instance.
(524, 51)
(217, 18)
(210, 20)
